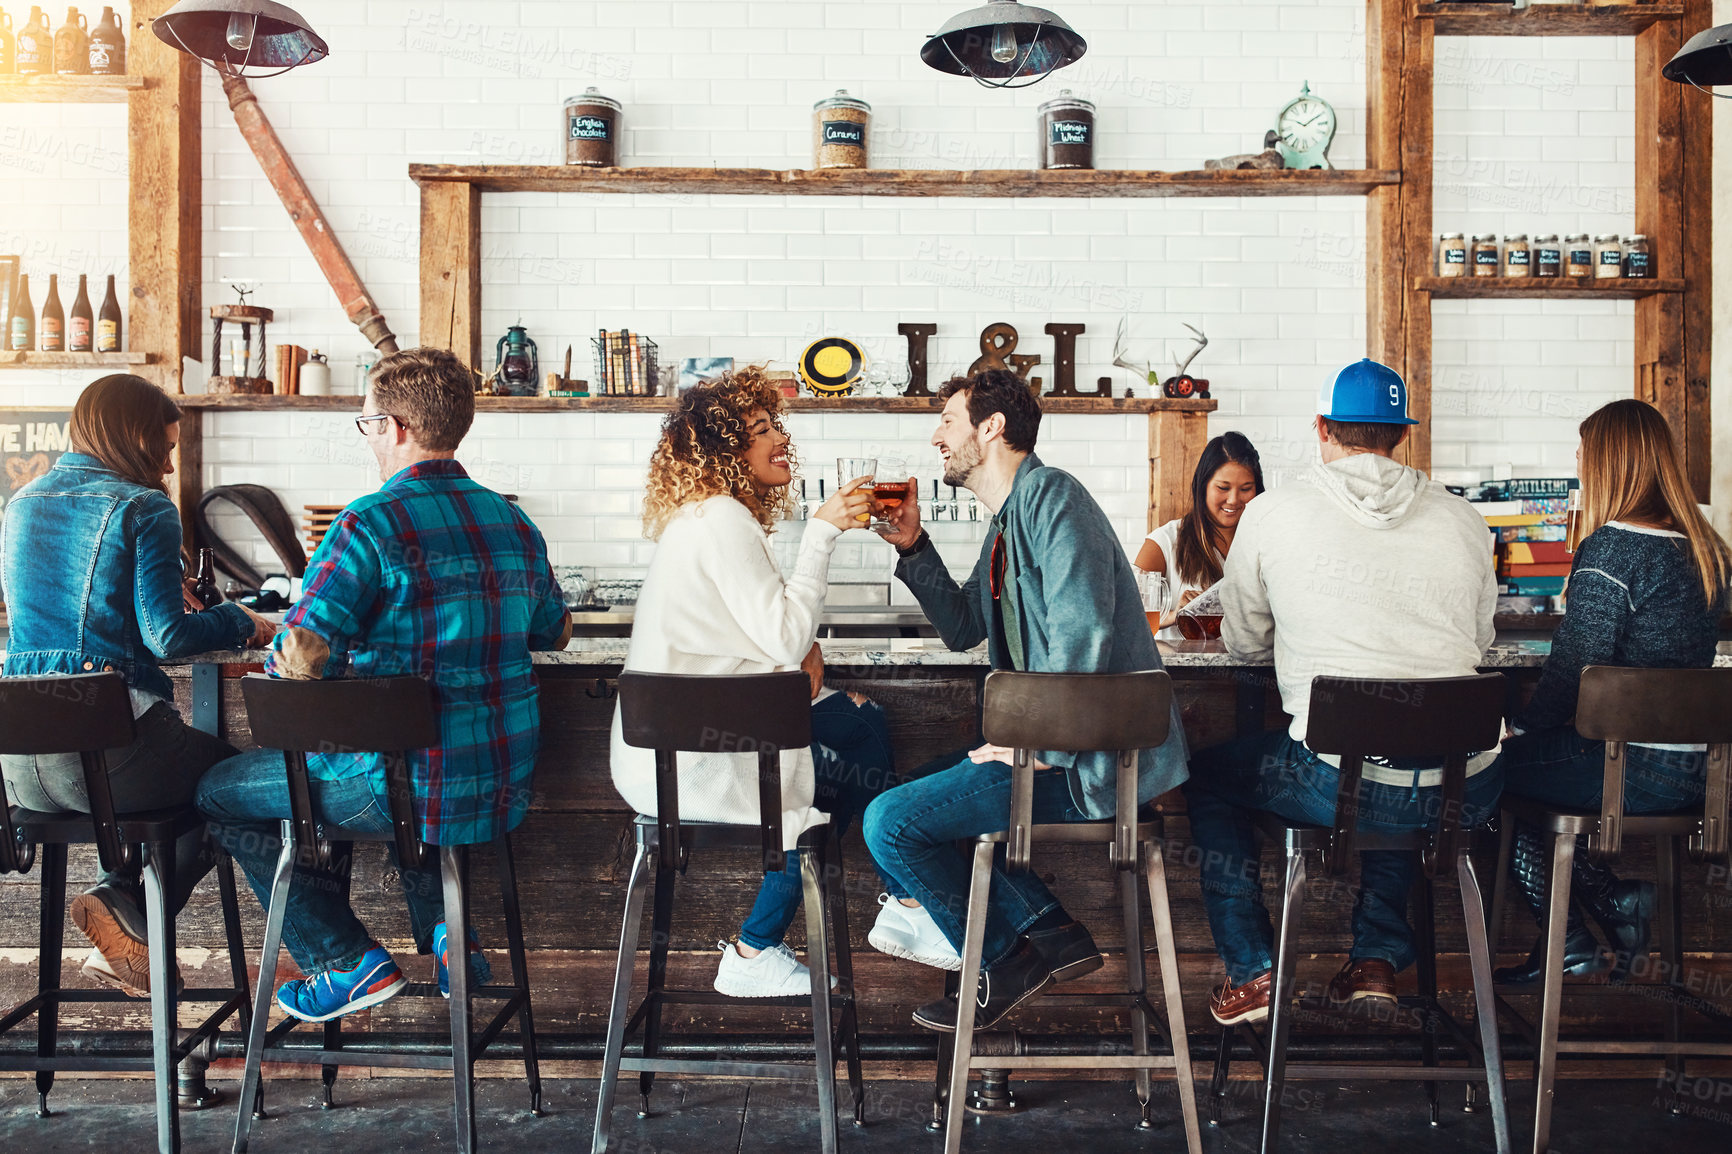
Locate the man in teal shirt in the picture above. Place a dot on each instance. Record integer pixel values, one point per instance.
(1052, 592)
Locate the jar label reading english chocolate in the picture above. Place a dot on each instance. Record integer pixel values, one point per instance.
(1070, 132)
(591, 128)
(844, 132)
(1551, 256)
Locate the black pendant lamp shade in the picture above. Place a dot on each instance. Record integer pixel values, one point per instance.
(1004, 45)
(1704, 61)
(235, 35)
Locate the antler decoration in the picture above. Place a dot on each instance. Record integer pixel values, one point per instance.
(1202, 343)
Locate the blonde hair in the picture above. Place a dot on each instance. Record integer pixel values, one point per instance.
(702, 450)
(1631, 472)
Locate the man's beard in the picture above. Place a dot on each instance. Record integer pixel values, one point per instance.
(962, 463)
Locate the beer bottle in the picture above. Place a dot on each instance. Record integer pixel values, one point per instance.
(204, 586)
(108, 322)
(72, 46)
(107, 46)
(8, 46)
(21, 326)
(79, 334)
(35, 45)
(53, 319)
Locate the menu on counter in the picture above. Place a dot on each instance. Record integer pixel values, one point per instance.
(31, 440)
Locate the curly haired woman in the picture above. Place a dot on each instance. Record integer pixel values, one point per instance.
(715, 602)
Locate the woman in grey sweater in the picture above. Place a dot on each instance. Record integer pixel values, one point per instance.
(1647, 588)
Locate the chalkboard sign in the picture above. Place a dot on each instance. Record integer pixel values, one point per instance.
(31, 440)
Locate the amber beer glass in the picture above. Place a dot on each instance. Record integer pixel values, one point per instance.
(1573, 522)
(1154, 590)
(847, 468)
(890, 487)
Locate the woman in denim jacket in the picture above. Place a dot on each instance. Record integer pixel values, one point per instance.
(90, 564)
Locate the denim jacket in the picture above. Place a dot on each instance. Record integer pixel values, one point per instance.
(91, 572)
(1078, 612)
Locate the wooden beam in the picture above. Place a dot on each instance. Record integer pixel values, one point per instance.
(451, 269)
(904, 182)
(1105, 406)
(1696, 265)
(1660, 216)
(1176, 441)
(166, 196)
(186, 483)
(1527, 288)
(1399, 62)
(1551, 19)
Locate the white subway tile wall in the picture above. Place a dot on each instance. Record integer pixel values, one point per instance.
(1532, 135)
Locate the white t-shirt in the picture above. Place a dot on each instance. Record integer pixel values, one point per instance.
(1167, 537)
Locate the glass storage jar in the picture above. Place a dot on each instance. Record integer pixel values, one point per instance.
(1578, 255)
(592, 130)
(1548, 257)
(1517, 256)
(1638, 258)
(1486, 259)
(1067, 132)
(840, 126)
(1452, 255)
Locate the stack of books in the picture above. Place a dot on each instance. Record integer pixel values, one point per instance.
(1527, 517)
(626, 364)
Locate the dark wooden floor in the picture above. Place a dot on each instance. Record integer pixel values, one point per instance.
(385, 1115)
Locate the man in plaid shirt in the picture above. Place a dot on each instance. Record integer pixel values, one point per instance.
(432, 576)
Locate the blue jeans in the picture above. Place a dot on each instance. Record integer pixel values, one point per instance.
(852, 762)
(1273, 773)
(246, 799)
(1560, 767)
(912, 832)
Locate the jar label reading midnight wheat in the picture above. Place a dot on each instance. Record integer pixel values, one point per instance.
(844, 132)
(1636, 264)
(590, 128)
(1070, 132)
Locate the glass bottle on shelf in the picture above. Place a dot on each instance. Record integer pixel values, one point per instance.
(21, 329)
(72, 45)
(53, 332)
(79, 323)
(8, 46)
(108, 322)
(107, 46)
(35, 45)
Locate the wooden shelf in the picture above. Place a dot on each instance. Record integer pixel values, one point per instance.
(1522, 288)
(9, 360)
(1547, 19)
(352, 403)
(1101, 183)
(68, 89)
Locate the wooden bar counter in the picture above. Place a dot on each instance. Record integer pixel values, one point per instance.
(574, 852)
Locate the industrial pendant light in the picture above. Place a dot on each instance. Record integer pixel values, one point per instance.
(234, 35)
(1704, 61)
(1002, 44)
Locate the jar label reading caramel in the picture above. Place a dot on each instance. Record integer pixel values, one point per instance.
(1486, 255)
(1070, 132)
(591, 128)
(844, 132)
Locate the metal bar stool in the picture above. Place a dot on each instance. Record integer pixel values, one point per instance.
(87, 715)
(1449, 718)
(1619, 706)
(766, 713)
(389, 716)
(1080, 712)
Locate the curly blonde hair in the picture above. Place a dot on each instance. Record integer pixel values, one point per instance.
(702, 449)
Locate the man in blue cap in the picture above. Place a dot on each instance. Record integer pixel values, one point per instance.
(1367, 569)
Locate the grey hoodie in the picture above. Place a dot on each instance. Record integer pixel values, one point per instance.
(1366, 569)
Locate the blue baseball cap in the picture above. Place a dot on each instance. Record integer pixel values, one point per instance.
(1366, 393)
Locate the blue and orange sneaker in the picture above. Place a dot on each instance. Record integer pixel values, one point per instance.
(333, 993)
(480, 971)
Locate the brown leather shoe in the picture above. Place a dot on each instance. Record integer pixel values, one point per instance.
(1232, 1004)
(1363, 978)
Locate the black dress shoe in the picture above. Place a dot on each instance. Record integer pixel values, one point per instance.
(1070, 950)
(1581, 959)
(1003, 988)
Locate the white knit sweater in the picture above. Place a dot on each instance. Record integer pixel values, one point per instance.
(716, 603)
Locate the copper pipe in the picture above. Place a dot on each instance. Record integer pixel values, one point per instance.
(305, 212)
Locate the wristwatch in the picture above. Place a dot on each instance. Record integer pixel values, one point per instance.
(920, 543)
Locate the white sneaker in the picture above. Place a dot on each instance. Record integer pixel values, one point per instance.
(910, 933)
(774, 973)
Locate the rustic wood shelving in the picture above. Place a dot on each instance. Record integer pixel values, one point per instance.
(1140, 406)
(69, 89)
(1525, 288)
(27, 360)
(915, 182)
(1547, 19)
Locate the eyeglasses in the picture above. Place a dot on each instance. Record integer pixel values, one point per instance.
(361, 421)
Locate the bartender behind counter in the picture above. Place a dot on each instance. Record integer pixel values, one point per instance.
(1191, 550)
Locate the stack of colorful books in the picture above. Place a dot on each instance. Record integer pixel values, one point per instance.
(1527, 517)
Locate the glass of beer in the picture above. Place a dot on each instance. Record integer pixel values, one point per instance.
(847, 468)
(1153, 587)
(891, 489)
(1573, 521)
